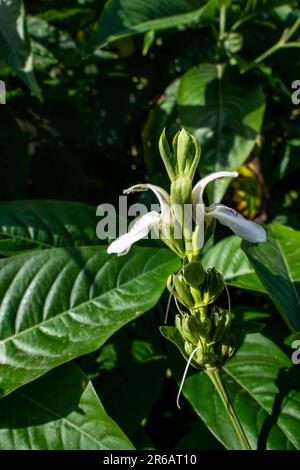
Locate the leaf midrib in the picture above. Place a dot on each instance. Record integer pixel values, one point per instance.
(24, 239)
(57, 415)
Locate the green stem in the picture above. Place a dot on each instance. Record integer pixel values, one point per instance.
(289, 32)
(222, 20)
(243, 20)
(283, 42)
(216, 378)
(267, 53)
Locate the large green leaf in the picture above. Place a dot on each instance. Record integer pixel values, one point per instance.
(228, 258)
(225, 112)
(14, 44)
(28, 225)
(277, 264)
(59, 411)
(263, 386)
(122, 18)
(61, 303)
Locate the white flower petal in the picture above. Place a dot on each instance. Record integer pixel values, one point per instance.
(197, 193)
(242, 227)
(139, 230)
(199, 233)
(161, 194)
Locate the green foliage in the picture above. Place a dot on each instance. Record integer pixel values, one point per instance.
(63, 303)
(14, 44)
(90, 85)
(277, 265)
(29, 225)
(230, 260)
(224, 115)
(60, 411)
(256, 380)
(123, 18)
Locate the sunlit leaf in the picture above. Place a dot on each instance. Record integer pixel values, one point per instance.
(62, 303)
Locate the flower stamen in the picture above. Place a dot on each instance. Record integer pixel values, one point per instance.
(184, 374)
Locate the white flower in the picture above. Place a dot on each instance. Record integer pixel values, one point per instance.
(143, 225)
(246, 229)
(242, 227)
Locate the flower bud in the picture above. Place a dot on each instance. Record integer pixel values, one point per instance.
(210, 289)
(181, 291)
(181, 190)
(224, 348)
(190, 328)
(221, 319)
(194, 274)
(184, 159)
(187, 152)
(166, 155)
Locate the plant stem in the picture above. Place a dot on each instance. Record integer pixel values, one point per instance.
(283, 42)
(222, 20)
(289, 32)
(243, 20)
(216, 378)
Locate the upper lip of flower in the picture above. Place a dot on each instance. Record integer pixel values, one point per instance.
(162, 196)
(146, 222)
(242, 227)
(198, 190)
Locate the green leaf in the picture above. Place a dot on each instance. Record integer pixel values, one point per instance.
(264, 389)
(62, 303)
(122, 18)
(277, 264)
(129, 373)
(14, 43)
(228, 258)
(60, 411)
(199, 438)
(29, 225)
(225, 112)
(50, 44)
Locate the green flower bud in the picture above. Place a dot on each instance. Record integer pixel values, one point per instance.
(224, 348)
(198, 358)
(181, 190)
(183, 148)
(214, 347)
(191, 329)
(168, 236)
(221, 320)
(233, 42)
(181, 291)
(167, 156)
(185, 157)
(194, 274)
(183, 294)
(210, 289)
(187, 151)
